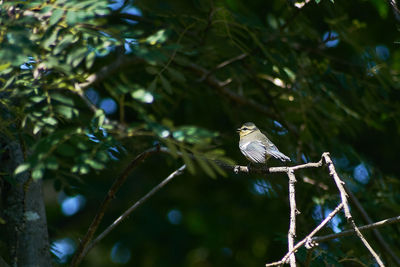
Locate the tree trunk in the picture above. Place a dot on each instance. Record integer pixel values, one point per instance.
(25, 216)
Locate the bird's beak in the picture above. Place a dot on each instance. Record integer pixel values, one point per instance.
(238, 130)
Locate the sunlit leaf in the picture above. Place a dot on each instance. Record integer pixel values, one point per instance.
(56, 16)
(37, 172)
(22, 168)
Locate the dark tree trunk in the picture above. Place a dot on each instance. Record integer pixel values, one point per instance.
(25, 215)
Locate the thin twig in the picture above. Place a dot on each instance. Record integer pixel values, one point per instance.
(375, 232)
(308, 238)
(134, 207)
(349, 217)
(212, 81)
(293, 213)
(309, 257)
(110, 196)
(222, 64)
(396, 10)
(371, 226)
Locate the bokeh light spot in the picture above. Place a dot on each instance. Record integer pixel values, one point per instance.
(331, 39)
(71, 205)
(382, 52)
(120, 253)
(361, 173)
(108, 105)
(92, 95)
(174, 216)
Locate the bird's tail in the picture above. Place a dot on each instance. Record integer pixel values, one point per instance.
(279, 155)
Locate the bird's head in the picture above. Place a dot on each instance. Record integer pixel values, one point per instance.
(246, 129)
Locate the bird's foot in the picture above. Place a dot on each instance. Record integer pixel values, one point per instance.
(249, 167)
(236, 169)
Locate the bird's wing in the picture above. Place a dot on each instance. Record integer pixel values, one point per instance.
(274, 151)
(255, 151)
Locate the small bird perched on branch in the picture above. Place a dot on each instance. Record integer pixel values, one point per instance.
(256, 146)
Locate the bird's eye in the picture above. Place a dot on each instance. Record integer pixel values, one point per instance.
(244, 129)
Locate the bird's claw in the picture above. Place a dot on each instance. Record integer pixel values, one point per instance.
(236, 169)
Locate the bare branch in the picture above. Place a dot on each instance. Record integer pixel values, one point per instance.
(361, 228)
(307, 240)
(134, 207)
(223, 64)
(349, 217)
(375, 232)
(293, 213)
(396, 10)
(80, 253)
(221, 87)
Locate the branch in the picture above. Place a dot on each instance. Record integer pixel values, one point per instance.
(107, 70)
(222, 65)
(375, 232)
(307, 239)
(247, 169)
(3, 263)
(371, 226)
(293, 212)
(396, 10)
(349, 217)
(221, 87)
(80, 253)
(134, 207)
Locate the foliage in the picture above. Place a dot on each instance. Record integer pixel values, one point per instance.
(87, 85)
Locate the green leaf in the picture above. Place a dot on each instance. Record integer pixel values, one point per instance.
(188, 161)
(50, 39)
(38, 172)
(102, 156)
(143, 96)
(84, 169)
(166, 85)
(172, 147)
(76, 56)
(66, 150)
(37, 99)
(62, 98)
(158, 37)
(56, 16)
(151, 70)
(94, 164)
(51, 163)
(176, 75)
(67, 39)
(4, 66)
(75, 16)
(66, 111)
(100, 116)
(203, 164)
(36, 129)
(101, 12)
(75, 168)
(50, 121)
(22, 168)
(153, 85)
(90, 59)
(219, 170)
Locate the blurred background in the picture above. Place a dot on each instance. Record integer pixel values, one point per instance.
(314, 76)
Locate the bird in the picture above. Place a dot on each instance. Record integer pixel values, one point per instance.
(256, 147)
